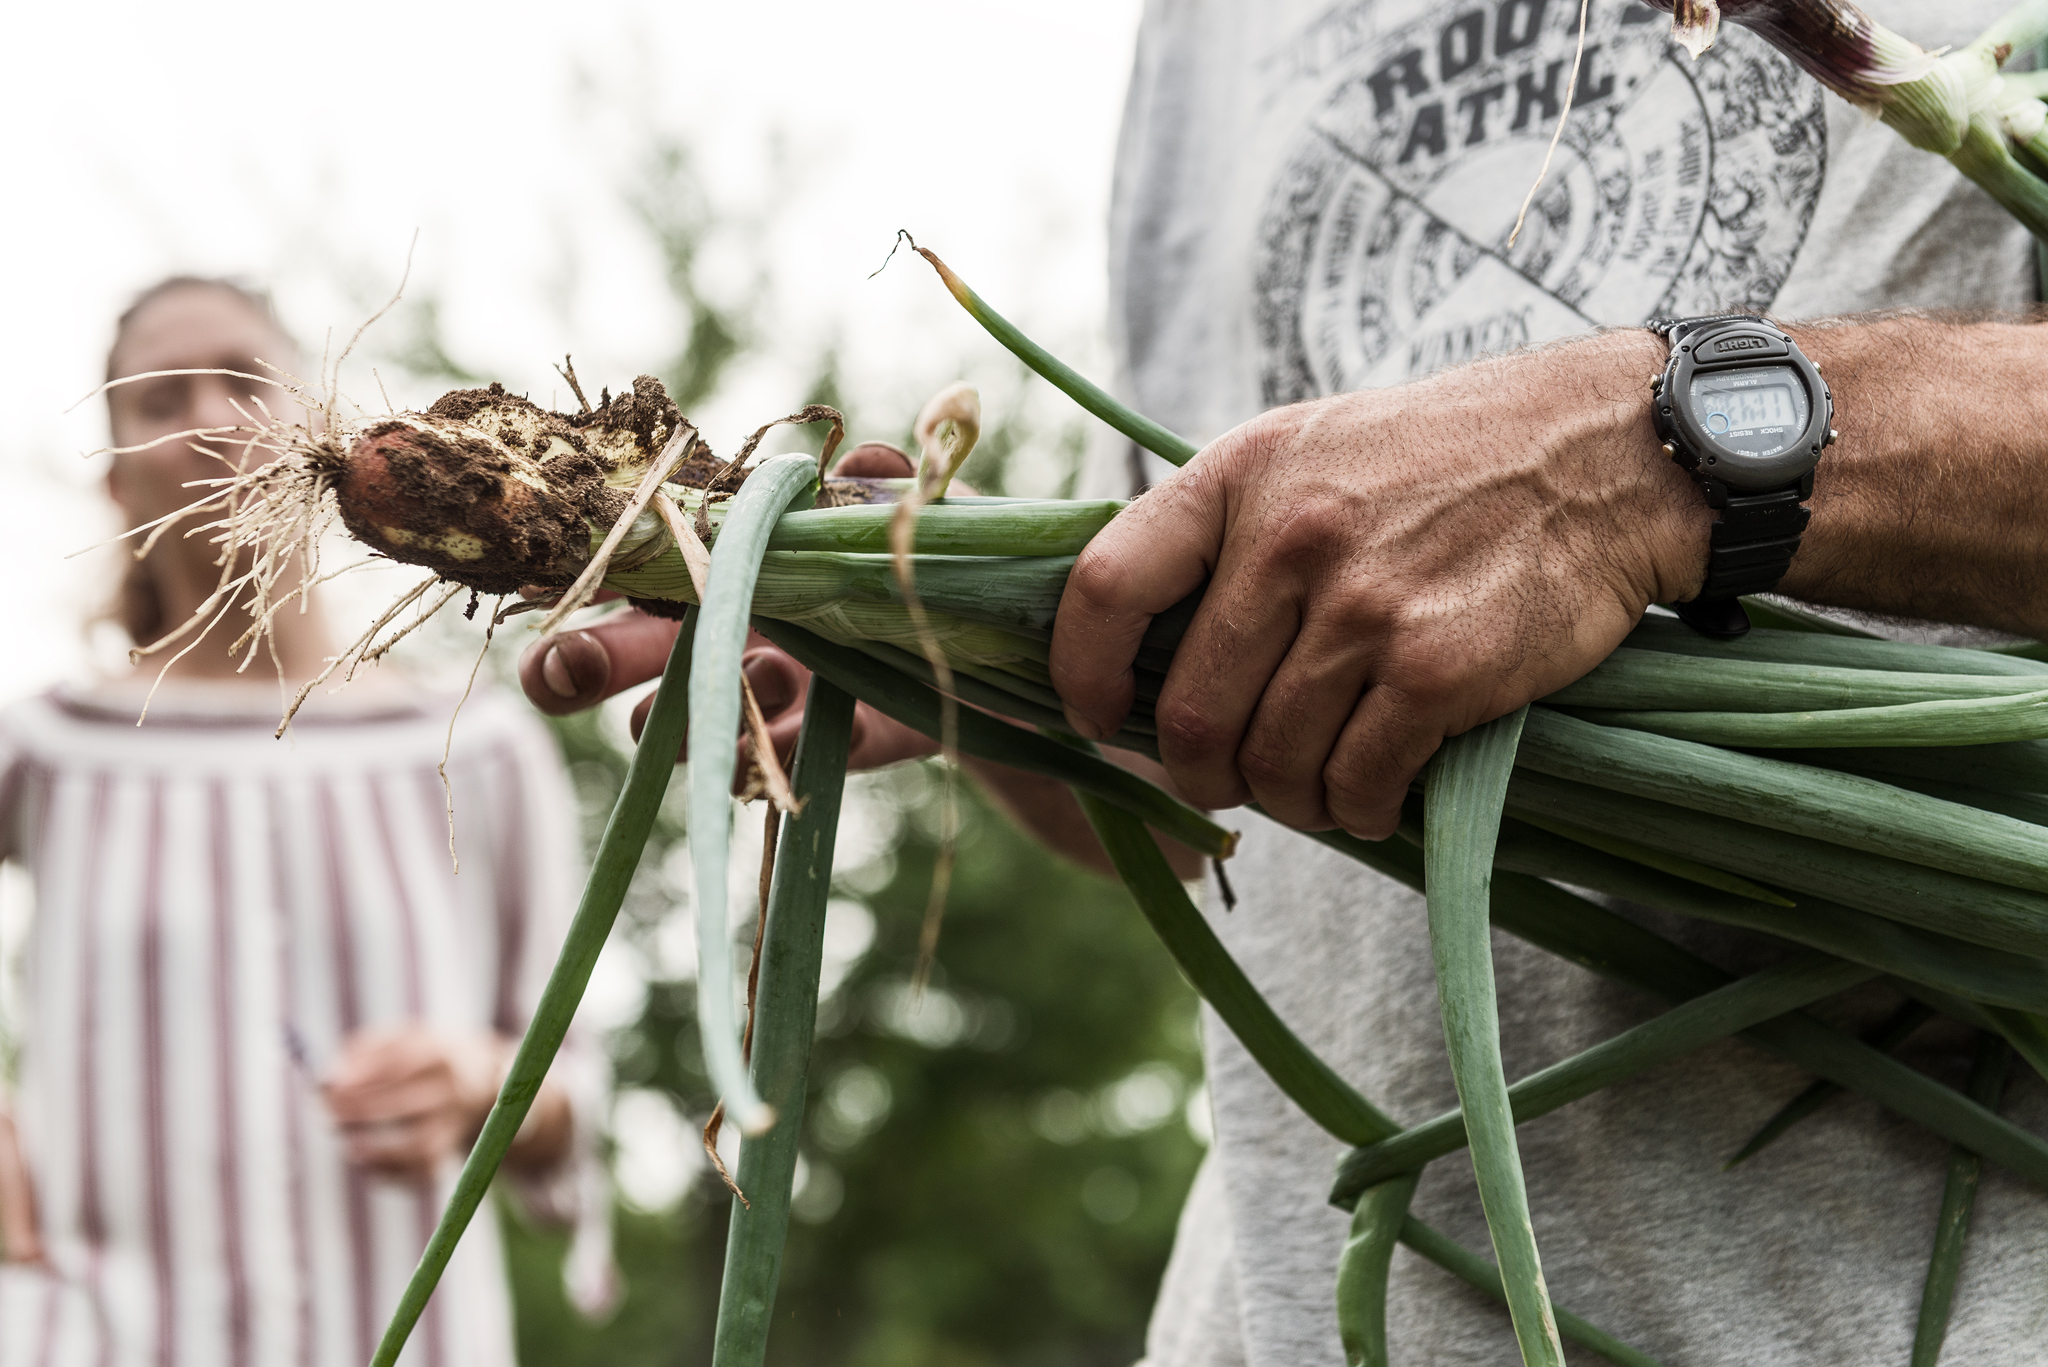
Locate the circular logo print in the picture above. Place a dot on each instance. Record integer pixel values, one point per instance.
(1677, 188)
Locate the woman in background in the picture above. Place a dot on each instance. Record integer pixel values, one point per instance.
(263, 1015)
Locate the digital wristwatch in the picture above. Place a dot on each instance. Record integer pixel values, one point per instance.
(1743, 411)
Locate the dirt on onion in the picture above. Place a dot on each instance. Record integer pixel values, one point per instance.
(494, 492)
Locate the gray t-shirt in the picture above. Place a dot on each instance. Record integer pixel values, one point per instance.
(1314, 199)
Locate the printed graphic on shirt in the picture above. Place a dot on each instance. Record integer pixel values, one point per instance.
(1679, 187)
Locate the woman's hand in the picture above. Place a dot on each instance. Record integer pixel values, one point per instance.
(21, 1239)
(408, 1098)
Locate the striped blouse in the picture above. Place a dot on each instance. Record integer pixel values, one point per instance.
(215, 911)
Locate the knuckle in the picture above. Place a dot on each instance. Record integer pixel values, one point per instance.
(1351, 790)
(1096, 571)
(1189, 732)
(1360, 614)
(1310, 532)
(1259, 440)
(1270, 769)
(1418, 678)
(1100, 575)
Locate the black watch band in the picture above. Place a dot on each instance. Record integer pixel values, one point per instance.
(1751, 545)
(1753, 541)
(1673, 330)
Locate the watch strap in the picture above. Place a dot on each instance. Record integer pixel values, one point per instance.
(1674, 329)
(1752, 542)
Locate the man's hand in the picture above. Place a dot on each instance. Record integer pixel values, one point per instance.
(407, 1098)
(1385, 569)
(573, 670)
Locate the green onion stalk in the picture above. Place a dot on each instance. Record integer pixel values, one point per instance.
(792, 954)
(1467, 787)
(1958, 1201)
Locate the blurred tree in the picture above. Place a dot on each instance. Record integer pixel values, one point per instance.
(670, 202)
(1012, 1149)
(991, 1174)
(420, 346)
(992, 1171)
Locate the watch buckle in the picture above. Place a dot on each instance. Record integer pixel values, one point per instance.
(1721, 619)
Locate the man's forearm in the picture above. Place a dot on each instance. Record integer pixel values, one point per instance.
(1045, 809)
(1934, 501)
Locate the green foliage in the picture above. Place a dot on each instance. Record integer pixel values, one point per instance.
(669, 1265)
(993, 1174)
(1016, 1203)
(829, 386)
(671, 203)
(421, 347)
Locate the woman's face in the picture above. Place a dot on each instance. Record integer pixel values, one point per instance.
(194, 327)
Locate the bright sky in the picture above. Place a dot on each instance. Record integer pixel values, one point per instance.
(303, 146)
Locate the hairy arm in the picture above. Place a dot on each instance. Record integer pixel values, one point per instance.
(1934, 503)
(1395, 566)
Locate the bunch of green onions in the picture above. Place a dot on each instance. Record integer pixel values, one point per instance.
(1881, 807)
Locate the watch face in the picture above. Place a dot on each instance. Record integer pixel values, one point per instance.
(1757, 413)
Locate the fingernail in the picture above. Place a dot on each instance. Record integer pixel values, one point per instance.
(1083, 726)
(554, 671)
(771, 684)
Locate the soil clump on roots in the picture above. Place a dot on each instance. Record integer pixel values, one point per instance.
(490, 490)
